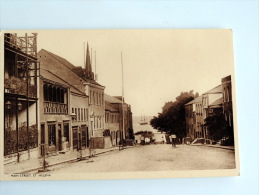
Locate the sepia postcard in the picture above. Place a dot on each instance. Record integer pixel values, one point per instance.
(118, 104)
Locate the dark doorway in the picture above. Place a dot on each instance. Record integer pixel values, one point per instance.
(87, 138)
(59, 138)
(83, 128)
(75, 138)
(42, 134)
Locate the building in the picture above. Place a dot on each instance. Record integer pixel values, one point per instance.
(227, 100)
(227, 107)
(211, 104)
(95, 91)
(20, 96)
(124, 112)
(112, 123)
(64, 106)
(194, 119)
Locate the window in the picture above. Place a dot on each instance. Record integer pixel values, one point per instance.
(82, 114)
(45, 92)
(62, 97)
(50, 93)
(76, 114)
(54, 94)
(79, 117)
(73, 111)
(91, 97)
(58, 95)
(228, 94)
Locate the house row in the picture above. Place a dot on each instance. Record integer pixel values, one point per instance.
(53, 106)
(213, 102)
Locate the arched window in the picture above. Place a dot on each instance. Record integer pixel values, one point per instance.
(228, 93)
(224, 94)
(45, 92)
(62, 95)
(93, 97)
(50, 90)
(58, 95)
(54, 94)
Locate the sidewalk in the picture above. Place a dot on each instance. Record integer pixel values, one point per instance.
(223, 147)
(34, 164)
(215, 146)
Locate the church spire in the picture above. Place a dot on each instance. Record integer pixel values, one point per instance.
(88, 65)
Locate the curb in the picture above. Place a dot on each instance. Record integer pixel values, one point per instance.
(69, 161)
(213, 146)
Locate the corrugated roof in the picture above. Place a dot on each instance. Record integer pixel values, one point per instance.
(196, 100)
(111, 99)
(217, 89)
(71, 67)
(217, 102)
(62, 60)
(47, 74)
(109, 107)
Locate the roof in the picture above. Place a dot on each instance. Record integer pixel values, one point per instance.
(217, 89)
(73, 70)
(217, 102)
(109, 107)
(53, 77)
(62, 60)
(111, 99)
(196, 100)
(72, 67)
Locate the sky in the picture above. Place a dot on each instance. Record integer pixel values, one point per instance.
(158, 64)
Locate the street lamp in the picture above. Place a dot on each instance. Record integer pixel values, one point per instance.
(8, 105)
(73, 115)
(19, 106)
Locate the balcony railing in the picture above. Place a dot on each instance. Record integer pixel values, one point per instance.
(25, 44)
(55, 108)
(18, 86)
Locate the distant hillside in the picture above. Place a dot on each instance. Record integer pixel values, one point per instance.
(137, 127)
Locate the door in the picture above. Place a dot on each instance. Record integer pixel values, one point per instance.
(42, 143)
(75, 137)
(83, 129)
(52, 138)
(87, 138)
(59, 138)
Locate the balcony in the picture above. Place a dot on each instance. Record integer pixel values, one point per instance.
(55, 108)
(14, 85)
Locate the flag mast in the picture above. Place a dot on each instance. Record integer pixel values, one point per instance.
(122, 102)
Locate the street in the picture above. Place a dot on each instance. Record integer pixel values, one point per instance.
(154, 158)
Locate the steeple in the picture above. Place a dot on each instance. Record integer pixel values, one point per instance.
(88, 65)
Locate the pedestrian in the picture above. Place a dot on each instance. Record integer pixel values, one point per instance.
(173, 136)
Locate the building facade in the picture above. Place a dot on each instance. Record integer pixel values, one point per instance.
(64, 106)
(227, 107)
(20, 96)
(112, 123)
(211, 103)
(193, 117)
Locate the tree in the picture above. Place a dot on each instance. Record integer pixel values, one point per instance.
(172, 119)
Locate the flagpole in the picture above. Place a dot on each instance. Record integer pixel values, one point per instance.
(122, 102)
(84, 56)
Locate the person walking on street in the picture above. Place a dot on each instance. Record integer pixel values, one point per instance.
(173, 136)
